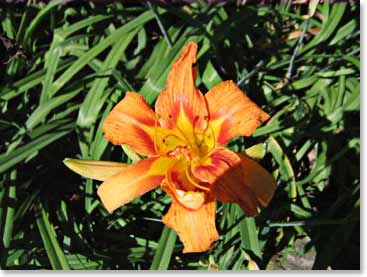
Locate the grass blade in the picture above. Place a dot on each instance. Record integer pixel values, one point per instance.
(54, 252)
(164, 250)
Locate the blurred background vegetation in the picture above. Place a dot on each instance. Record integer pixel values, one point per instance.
(64, 66)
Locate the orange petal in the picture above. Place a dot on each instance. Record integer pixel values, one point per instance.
(132, 122)
(258, 179)
(132, 182)
(225, 174)
(237, 178)
(214, 166)
(196, 229)
(180, 100)
(232, 113)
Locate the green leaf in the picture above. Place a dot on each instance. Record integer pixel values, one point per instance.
(130, 152)
(163, 254)
(97, 49)
(30, 81)
(328, 74)
(329, 25)
(95, 98)
(8, 160)
(312, 5)
(256, 152)
(157, 76)
(344, 31)
(10, 211)
(285, 167)
(44, 109)
(210, 77)
(37, 21)
(54, 252)
(248, 233)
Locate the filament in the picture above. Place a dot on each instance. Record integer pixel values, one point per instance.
(170, 183)
(156, 149)
(193, 182)
(212, 148)
(193, 130)
(175, 136)
(204, 131)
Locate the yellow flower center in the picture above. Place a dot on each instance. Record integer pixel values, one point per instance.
(190, 146)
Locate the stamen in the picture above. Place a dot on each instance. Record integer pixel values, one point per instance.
(170, 183)
(187, 141)
(213, 137)
(212, 148)
(193, 182)
(204, 132)
(175, 136)
(156, 149)
(207, 119)
(193, 130)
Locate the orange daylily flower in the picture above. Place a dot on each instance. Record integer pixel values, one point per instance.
(184, 143)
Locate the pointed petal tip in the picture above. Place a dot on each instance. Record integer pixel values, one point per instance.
(97, 170)
(191, 46)
(69, 162)
(232, 112)
(190, 51)
(192, 43)
(66, 161)
(110, 209)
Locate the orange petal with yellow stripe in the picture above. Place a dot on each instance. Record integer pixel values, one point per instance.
(238, 179)
(133, 181)
(132, 122)
(180, 100)
(232, 113)
(196, 229)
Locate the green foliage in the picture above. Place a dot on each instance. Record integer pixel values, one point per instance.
(63, 69)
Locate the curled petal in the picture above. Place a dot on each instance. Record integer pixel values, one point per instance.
(237, 178)
(181, 102)
(190, 199)
(183, 188)
(132, 182)
(196, 229)
(132, 122)
(98, 170)
(232, 113)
